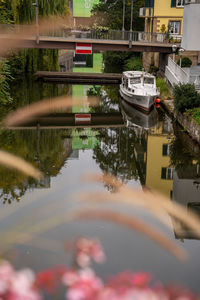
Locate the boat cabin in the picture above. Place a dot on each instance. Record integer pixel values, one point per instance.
(135, 79)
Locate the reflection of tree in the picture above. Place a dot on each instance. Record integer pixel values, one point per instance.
(45, 149)
(109, 99)
(181, 159)
(115, 154)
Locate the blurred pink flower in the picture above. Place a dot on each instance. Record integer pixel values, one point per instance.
(85, 249)
(85, 286)
(17, 285)
(6, 273)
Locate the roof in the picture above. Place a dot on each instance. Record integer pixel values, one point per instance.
(132, 74)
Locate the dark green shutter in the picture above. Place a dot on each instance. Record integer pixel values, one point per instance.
(173, 3)
(164, 173)
(149, 3)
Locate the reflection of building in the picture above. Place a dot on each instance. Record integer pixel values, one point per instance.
(186, 191)
(84, 139)
(159, 173)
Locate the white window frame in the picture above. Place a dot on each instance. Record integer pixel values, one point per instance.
(180, 3)
(174, 27)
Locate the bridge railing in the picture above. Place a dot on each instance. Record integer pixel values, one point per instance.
(135, 36)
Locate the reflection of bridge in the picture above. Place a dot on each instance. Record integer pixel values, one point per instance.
(74, 120)
(101, 41)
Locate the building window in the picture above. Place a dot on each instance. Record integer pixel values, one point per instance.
(174, 27)
(180, 3)
(166, 149)
(167, 173)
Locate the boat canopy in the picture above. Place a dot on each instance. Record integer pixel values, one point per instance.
(138, 77)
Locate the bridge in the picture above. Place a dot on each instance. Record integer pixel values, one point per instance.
(73, 120)
(112, 40)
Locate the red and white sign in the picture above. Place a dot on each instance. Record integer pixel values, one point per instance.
(82, 119)
(83, 48)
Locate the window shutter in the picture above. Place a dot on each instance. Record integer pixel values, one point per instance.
(149, 3)
(173, 3)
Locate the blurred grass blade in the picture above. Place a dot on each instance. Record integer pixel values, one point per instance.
(24, 114)
(158, 204)
(134, 224)
(17, 163)
(16, 37)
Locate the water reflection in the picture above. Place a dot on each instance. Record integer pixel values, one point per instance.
(36, 147)
(143, 152)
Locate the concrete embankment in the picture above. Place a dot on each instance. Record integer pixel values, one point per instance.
(185, 120)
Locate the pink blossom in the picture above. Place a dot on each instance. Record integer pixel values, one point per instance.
(87, 249)
(17, 285)
(86, 286)
(6, 273)
(141, 279)
(70, 277)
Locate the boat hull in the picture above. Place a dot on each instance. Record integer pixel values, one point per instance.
(142, 102)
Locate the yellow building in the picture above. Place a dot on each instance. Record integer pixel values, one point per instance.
(163, 16)
(159, 172)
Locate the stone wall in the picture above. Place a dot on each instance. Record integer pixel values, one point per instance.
(189, 125)
(150, 58)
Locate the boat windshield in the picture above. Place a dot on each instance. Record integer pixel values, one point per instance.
(135, 80)
(149, 80)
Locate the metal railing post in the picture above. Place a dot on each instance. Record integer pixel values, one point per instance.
(131, 26)
(37, 21)
(123, 20)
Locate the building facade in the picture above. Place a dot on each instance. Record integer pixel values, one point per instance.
(163, 16)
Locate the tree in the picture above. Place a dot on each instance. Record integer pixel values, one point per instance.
(23, 11)
(185, 63)
(109, 14)
(185, 97)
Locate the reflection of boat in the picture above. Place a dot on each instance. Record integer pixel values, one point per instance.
(136, 117)
(139, 89)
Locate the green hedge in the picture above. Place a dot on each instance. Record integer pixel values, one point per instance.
(185, 97)
(185, 63)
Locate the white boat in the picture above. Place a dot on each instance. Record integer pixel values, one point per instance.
(139, 89)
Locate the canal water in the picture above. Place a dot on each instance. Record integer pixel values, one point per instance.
(143, 151)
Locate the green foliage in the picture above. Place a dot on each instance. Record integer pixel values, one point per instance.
(195, 113)
(153, 70)
(5, 77)
(163, 87)
(185, 63)
(185, 97)
(95, 91)
(109, 13)
(114, 61)
(180, 159)
(5, 12)
(22, 11)
(134, 64)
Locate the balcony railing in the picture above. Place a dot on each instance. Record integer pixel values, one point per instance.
(146, 12)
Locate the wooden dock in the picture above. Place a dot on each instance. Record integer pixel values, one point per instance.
(69, 77)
